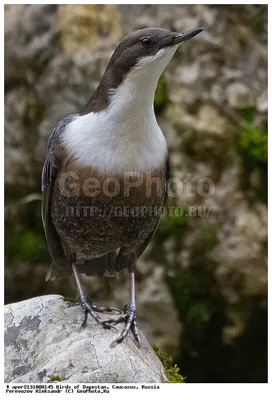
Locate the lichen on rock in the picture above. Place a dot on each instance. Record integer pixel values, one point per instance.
(84, 25)
(54, 347)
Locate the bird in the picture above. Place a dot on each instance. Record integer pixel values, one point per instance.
(104, 179)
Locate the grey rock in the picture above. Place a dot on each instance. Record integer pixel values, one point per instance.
(240, 96)
(44, 339)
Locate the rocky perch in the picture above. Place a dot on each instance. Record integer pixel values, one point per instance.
(44, 342)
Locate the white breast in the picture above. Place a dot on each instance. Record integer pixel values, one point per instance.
(115, 142)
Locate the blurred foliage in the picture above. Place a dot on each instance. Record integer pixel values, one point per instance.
(171, 370)
(26, 241)
(204, 311)
(160, 99)
(253, 144)
(252, 140)
(173, 225)
(27, 246)
(26, 250)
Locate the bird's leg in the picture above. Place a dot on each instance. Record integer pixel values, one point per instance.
(129, 315)
(88, 306)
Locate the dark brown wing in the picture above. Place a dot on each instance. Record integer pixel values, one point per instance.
(49, 175)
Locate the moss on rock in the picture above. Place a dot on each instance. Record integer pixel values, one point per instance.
(171, 370)
(55, 378)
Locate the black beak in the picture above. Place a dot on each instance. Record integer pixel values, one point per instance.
(181, 37)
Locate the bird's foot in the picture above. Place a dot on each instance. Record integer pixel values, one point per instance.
(92, 309)
(129, 318)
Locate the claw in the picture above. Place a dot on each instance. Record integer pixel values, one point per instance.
(107, 325)
(135, 332)
(92, 309)
(105, 309)
(129, 317)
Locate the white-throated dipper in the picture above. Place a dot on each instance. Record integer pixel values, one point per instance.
(106, 169)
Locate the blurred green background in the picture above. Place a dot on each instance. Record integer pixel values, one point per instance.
(202, 283)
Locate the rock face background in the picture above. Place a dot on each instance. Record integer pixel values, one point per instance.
(202, 283)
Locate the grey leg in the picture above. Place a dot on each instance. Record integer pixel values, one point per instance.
(87, 305)
(129, 316)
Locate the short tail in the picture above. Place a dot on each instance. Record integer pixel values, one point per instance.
(100, 266)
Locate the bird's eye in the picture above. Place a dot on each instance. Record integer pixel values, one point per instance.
(146, 42)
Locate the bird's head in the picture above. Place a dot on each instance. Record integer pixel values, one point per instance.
(147, 51)
(135, 68)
